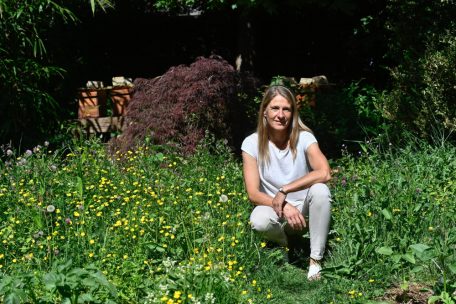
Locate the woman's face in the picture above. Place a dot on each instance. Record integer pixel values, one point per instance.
(278, 113)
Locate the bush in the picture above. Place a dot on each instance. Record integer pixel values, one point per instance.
(181, 105)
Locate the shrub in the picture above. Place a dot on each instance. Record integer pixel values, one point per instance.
(179, 106)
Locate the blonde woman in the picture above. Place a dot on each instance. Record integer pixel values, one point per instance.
(285, 174)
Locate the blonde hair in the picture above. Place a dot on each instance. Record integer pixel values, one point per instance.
(294, 128)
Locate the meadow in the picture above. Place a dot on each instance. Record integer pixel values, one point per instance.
(152, 226)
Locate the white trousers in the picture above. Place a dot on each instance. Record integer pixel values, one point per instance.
(316, 208)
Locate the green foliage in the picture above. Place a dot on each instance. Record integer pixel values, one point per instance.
(151, 226)
(421, 51)
(424, 91)
(25, 71)
(393, 214)
(157, 225)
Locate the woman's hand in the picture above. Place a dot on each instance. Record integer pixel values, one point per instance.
(294, 217)
(278, 202)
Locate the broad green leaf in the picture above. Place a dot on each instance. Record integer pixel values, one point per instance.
(387, 214)
(419, 248)
(51, 280)
(396, 258)
(86, 298)
(12, 298)
(417, 269)
(384, 250)
(409, 258)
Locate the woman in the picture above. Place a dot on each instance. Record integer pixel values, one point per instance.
(285, 174)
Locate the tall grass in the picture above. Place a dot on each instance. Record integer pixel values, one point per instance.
(151, 226)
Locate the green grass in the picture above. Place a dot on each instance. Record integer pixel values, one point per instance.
(151, 226)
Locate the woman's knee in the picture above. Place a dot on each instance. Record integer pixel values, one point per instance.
(320, 190)
(261, 221)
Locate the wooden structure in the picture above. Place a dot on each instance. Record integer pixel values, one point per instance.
(102, 124)
(93, 113)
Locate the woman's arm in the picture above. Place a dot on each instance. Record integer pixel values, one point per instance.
(252, 185)
(321, 173)
(252, 181)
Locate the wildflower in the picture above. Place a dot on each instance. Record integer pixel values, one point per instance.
(53, 168)
(91, 242)
(263, 244)
(223, 198)
(76, 214)
(9, 152)
(46, 143)
(371, 280)
(369, 214)
(28, 153)
(431, 228)
(50, 208)
(177, 294)
(37, 149)
(68, 221)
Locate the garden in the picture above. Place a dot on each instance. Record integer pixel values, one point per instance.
(158, 213)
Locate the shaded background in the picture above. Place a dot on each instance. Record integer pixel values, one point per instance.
(133, 42)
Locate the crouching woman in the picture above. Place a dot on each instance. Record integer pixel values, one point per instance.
(285, 175)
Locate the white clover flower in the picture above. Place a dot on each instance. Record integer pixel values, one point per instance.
(9, 152)
(28, 153)
(223, 198)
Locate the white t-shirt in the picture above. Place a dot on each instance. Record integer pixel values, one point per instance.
(282, 168)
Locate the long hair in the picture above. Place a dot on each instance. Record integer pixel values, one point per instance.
(294, 127)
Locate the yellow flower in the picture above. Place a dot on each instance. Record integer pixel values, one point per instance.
(177, 294)
(91, 242)
(263, 244)
(76, 214)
